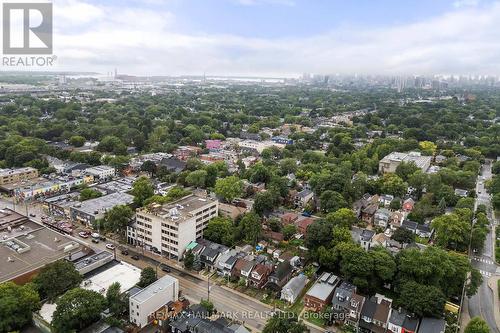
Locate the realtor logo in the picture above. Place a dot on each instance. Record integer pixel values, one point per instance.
(27, 28)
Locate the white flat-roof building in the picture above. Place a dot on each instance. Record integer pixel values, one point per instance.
(88, 211)
(151, 298)
(101, 171)
(258, 146)
(169, 228)
(390, 162)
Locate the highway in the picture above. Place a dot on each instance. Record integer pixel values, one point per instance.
(481, 304)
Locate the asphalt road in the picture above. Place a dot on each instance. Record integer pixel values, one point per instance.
(481, 304)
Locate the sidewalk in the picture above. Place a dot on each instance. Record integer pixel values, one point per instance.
(465, 317)
(493, 285)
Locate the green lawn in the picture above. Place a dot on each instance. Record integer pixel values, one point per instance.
(498, 283)
(314, 318)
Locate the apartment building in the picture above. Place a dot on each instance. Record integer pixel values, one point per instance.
(145, 302)
(8, 176)
(390, 162)
(169, 228)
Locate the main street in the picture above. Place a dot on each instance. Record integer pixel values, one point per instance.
(481, 304)
(251, 312)
(243, 308)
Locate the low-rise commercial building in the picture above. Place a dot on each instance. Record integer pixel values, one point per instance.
(88, 211)
(45, 186)
(26, 246)
(8, 176)
(101, 172)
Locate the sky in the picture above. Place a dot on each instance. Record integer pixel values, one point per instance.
(278, 38)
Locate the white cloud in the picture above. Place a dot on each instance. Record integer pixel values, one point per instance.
(265, 2)
(141, 41)
(465, 3)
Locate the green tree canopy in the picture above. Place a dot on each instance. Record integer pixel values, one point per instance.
(331, 201)
(142, 189)
(116, 300)
(117, 218)
(148, 276)
(77, 140)
(423, 300)
(17, 304)
(197, 178)
(477, 325)
(285, 322)
(229, 188)
(452, 231)
(343, 217)
(89, 193)
(250, 228)
(220, 230)
(56, 278)
(77, 309)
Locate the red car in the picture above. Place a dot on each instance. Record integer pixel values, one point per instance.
(83, 234)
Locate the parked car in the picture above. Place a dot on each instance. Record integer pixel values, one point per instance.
(124, 252)
(33, 215)
(83, 234)
(165, 268)
(95, 235)
(110, 246)
(135, 257)
(95, 240)
(102, 238)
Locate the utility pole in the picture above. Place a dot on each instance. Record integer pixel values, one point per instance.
(208, 289)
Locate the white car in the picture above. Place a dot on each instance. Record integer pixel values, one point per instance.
(95, 235)
(110, 246)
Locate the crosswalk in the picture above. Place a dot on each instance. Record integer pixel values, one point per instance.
(485, 261)
(484, 273)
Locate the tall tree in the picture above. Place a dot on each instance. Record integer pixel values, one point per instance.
(148, 276)
(142, 189)
(116, 300)
(331, 201)
(229, 188)
(197, 178)
(451, 231)
(265, 202)
(343, 217)
(423, 300)
(285, 322)
(477, 325)
(250, 228)
(77, 309)
(17, 303)
(117, 218)
(149, 166)
(188, 259)
(220, 230)
(56, 278)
